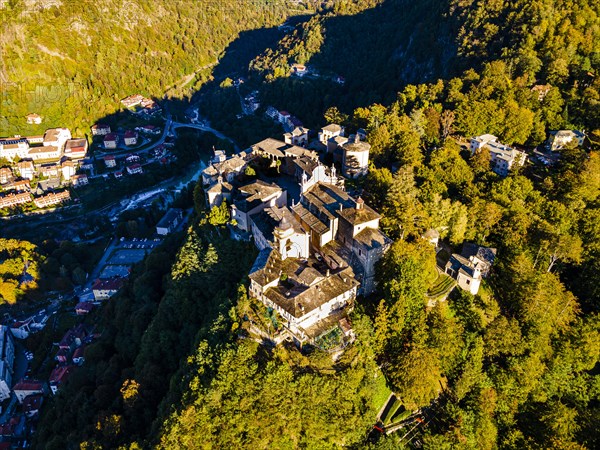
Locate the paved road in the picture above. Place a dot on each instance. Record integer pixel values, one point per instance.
(206, 128)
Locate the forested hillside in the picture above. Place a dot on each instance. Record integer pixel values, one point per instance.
(380, 50)
(513, 367)
(72, 61)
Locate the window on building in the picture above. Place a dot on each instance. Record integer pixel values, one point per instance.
(359, 252)
(468, 281)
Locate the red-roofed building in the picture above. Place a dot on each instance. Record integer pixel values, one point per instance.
(110, 140)
(130, 137)
(25, 388)
(73, 338)
(132, 158)
(59, 376)
(134, 169)
(32, 405)
(104, 289)
(15, 427)
(100, 129)
(62, 356)
(83, 308)
(76, 148)
(78, 357)
(118, 174)
(20, 186)
(79, 180)
(110, 161)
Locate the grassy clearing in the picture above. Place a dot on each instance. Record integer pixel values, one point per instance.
(441, 286)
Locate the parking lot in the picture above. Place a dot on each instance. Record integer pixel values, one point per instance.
(110, 271)
(127, 256)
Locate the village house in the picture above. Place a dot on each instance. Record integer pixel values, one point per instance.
(110, 161)
(432, 236)
(15, 147)
(83, 308)
(469, 267)
(502, 157)
(76, 149)
(118, 174)
(135, 169)
(272, 113)
(253, 198)
(169, 221)
(105, 288)
(87, 164)
(79, 180)
(298, 136)
(130, 137)
(51, 199)
(34, 119)
(563, 138)
(100, 129)
(59, 376)
(110, 141)
(330, 131)
(26, 169)
(6, 175)
(10, 200)
(284, 117)
(132, 100)
(299, 70)
(7, 360)
(541, 90)
(25, 388)
(19, 186)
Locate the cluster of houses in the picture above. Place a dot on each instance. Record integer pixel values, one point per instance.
(288, 121)
(111, 140)
(317, 249)
(29, 394)
(70, 354)
(55, 157)
(132, 165)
